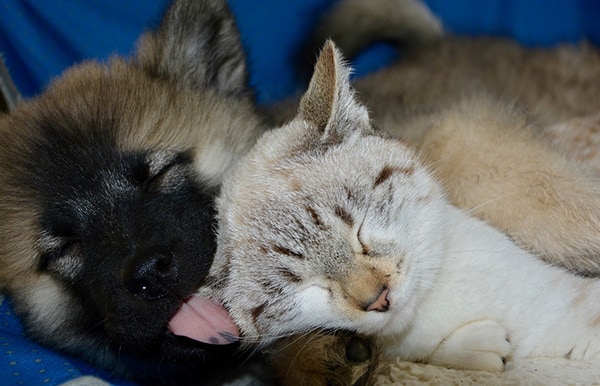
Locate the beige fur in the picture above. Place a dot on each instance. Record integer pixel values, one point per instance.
(491, 118)
(579, 138)
(518, 183)
(552, 85)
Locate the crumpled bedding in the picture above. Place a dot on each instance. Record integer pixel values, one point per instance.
(525, 372)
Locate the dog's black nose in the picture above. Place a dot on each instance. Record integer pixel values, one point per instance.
(151, 274)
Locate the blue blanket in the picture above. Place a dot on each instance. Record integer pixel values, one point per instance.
(39, 39)
(23, 362)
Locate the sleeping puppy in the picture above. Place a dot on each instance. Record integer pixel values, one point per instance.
(106, 194)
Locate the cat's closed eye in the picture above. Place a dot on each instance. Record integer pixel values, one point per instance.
(348, 219)
(283, 250)
(344, 215)
(365, 248)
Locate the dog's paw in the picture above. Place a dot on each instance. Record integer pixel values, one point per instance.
(481, 345)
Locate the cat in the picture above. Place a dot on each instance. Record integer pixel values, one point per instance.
(498, 163)
(529, 167)
(530, 98)
(330, 224)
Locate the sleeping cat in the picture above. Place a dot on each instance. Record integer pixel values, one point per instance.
(488, 154)
(522, 103)
(492, 158)
(329, 224)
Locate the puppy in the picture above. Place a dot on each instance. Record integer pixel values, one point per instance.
(106, 195)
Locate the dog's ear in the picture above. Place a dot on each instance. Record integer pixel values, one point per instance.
(198, 47)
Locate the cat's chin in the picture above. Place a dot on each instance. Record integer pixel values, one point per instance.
(397, 323)
(396, 319)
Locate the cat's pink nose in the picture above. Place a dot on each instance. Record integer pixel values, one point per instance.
(381, 303)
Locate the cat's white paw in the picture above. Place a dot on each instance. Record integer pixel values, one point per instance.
(481, 345)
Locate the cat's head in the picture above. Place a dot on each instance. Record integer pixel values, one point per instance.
(327, 223)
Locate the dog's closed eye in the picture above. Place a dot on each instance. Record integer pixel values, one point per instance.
(59, 255)
(162, 170)
(60, 236)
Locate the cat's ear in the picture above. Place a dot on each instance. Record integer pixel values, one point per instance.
(329, 104)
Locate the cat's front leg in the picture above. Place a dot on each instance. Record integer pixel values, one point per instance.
(480, 345)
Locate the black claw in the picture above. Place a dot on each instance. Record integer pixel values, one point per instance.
(228, 337)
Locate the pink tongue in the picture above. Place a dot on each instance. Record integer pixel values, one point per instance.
(204, 320)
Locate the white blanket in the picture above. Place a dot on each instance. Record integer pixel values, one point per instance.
(534, 371)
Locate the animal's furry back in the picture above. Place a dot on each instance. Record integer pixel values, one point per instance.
(497, 121)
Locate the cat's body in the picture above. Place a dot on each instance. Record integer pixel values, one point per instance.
(488, 290)
(479, 112)
(504, 129)
(553, 84)
(327, 224)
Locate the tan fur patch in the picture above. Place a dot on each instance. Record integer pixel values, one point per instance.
(317, 359)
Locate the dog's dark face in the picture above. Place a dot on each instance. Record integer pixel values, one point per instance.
(107, 183)
(127, 235)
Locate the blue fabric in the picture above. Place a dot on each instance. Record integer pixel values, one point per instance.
(23, 362)
(40, 38)
(273, 29)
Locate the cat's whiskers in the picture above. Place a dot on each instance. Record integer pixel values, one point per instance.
(259, 340)
(444, 256)
(471, 211)
(217, 282)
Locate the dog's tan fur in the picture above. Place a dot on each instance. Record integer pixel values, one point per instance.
(327, 357)
(145, 106)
